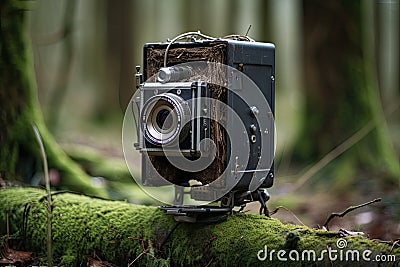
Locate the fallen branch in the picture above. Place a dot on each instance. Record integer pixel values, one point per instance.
(349, 209)
(288, 210)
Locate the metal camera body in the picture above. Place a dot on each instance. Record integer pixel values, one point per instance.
(171, 120)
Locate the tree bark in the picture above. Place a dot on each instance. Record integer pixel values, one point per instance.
(19, 152)
(119, 233)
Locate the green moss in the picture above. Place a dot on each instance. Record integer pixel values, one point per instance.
(82, 225)
(97, 164)
(246, 239)
(68, 259)
(118, 232)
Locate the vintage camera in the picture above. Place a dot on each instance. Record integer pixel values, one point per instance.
(205, 122)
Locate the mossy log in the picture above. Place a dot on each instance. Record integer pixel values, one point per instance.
(122, 233)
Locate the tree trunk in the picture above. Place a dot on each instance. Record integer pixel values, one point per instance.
(119, 233)
(342, 95)
(19, 152)
(119, 51)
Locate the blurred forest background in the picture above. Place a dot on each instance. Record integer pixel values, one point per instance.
(337, 92)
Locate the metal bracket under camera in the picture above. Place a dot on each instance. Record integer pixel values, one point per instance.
(215, 214)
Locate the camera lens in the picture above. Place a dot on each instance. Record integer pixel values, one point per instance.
(161, 119)
(164, 118)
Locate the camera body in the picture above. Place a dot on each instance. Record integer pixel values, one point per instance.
(190, 111)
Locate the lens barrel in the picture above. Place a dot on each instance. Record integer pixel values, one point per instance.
(173, 74)
(165, 118)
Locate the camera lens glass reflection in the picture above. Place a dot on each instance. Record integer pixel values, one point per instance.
(164, 120)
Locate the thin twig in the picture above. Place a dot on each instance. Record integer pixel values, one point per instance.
(143, 246)
(248, 30)
(395, 243)
(49, 201)
(288, 210)
(349, 209)
(346, 145)
(138, 257)
(339, 150)
(209, 263)
(169, 234)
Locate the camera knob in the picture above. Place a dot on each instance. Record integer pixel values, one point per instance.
(253, 129)
(138, 77)
(254, 110)
(164, 75)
